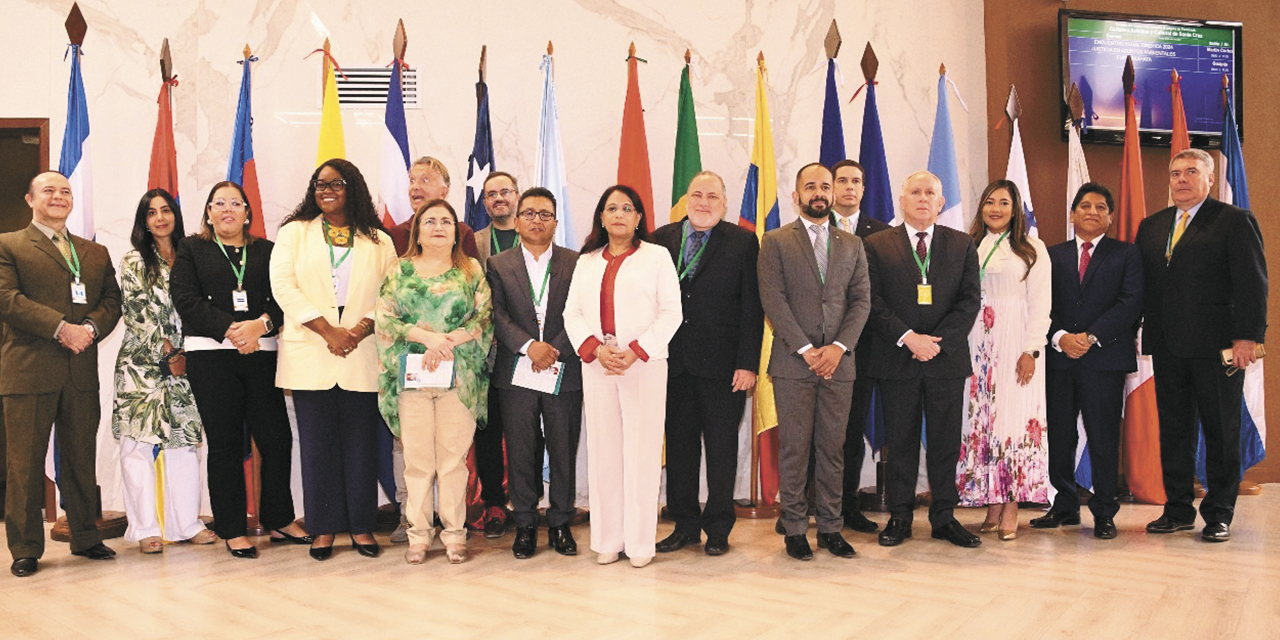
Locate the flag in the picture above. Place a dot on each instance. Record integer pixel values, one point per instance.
(549, 168)
(75, 161)
(877, 200)
(1141, 422)
(1077, 172)
(332, 144)
(164, 157)
(393, 185)
(481, 161)
(1017, 174)
(760, 214)
(633, 153)
(688, 157)
(832, 149)
(942, 162)
(241, 168)
(1180, 140)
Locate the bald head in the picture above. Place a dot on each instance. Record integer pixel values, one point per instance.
(49, 196)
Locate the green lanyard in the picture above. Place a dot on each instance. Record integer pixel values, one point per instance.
(684, 271)
(1168, 245)
(542, 293)
(334, 265)
(244, 262)
(982, 273)
(494, 246)
(924, 266)
(73, 264)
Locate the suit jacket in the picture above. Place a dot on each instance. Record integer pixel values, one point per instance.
(723, 320)
(515, 322)
(957, 293)
(646, 300)
(862, 355)
(302, 284)
(400, 238)
(805, 310)
(201, 283)
(1107, 303)
(1214, 288)
(484, 246)
(35, 296)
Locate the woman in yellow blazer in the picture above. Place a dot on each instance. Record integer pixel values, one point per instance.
(330, 256)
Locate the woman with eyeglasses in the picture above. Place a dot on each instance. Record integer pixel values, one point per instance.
(328, 263)
(221, 287)
(623, 309)
(155, 417)
(434, 311)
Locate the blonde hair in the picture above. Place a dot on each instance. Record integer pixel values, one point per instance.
(434, 165)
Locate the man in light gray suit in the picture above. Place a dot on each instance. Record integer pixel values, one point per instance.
(815, 290)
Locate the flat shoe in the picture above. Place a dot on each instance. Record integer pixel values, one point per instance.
(416, 554)
(152, 544)
(251, 552)
(291, 539)
(607, 558)
(457, 553)
(641, 562)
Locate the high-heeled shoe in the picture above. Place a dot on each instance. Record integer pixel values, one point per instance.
(291, 539)
(415, 554)
(989, 527)
(366, 550)
(1008, 535)
(251, 552)
(457, 553)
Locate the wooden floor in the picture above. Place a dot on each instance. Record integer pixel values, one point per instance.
(1045, 584)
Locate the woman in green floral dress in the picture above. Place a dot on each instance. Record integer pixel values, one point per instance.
(434, 303)
(155, 417)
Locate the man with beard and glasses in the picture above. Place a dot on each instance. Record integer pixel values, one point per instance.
(815, 289)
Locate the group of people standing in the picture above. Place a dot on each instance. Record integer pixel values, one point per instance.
(442, 337)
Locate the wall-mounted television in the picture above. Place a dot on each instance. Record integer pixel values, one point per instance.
(1094, 46)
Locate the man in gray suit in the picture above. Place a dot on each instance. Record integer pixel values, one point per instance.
(815, 290)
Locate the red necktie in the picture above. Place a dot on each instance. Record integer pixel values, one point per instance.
(1084, 258)
(921, 250)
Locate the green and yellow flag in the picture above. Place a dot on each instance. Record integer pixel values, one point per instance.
(688, 159)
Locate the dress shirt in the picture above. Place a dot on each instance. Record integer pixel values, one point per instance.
(912, 239)
(1080, 253)
(536, 267)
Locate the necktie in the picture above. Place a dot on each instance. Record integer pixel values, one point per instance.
(61, 242)
(1085, 255)
(1179, 230)
(695, 243)
(921, 250)
(820, 249)
(846, 224)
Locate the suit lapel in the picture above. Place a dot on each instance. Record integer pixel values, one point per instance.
(801, 234)
(1100, 254)
(937, 249)
(713, 243)
(43, 243)
(1201, 221)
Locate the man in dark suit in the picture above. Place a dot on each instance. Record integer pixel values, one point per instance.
(814, 289)
(1205, 291)
(712, 363)
(848, 191)
(925, 294)
(530, 287)
(1097, 304)
(59, 297)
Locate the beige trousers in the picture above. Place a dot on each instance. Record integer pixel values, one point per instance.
(436, 430)
(625, 416)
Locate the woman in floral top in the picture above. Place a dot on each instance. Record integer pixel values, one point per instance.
(155, 418)
(435, 303)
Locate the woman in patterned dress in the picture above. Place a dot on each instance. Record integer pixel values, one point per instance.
(435, 303)
(1003, 451)
(155, 417)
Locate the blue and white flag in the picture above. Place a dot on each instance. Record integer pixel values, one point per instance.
(549, 170)
(74, 163)
(1017, 174)
(393, 185)
(480, 164)
(942, 162)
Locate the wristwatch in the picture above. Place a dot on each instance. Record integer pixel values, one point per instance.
(268, 324)
(1033, 354)
(1093, 340)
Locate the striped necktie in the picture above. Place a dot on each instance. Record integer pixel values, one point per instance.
(60, 241)
(820, 249)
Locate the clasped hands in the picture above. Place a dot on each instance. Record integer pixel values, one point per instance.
(439, 345)
(923, 347)
(1075, 345)
(823, 361)
(244, 334)
(614, 360)
(75, 337)
(342, 342)
(542, 356)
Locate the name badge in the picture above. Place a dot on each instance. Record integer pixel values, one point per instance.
(240, 300)
(335, 284)
(78, 295)
(924, 294)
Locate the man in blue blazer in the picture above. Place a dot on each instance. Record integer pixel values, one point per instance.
(1097, 302)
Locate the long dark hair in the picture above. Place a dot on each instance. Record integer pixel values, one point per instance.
(206, 230)
(1017, 237)
(362, 216)
(599, 236)
(141, 237)
(460, 259)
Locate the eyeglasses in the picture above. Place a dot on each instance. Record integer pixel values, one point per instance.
(506, 193)
(332, 185)
(530, 214)
(227, 204)
(431, 222)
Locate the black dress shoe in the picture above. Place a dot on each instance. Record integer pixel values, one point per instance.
(1216, 532)
(318, 553)
(562, 541)
(1055, 519)
(716, 546)
(895, 532)
(677, 541)
(798, 547)
(497, 519)
(23, 567)
(1165, 524)
(251, 552)
(366, 550)
(860, 523)
(96, 552)
(835, 543)
(778, 528)
(526, 543)
(292, 539)
(1104, 528)
(956, 534)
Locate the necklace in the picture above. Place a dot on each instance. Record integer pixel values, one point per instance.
(338, 236)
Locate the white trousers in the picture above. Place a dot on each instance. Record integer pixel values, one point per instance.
(625, 416)
(181, 486)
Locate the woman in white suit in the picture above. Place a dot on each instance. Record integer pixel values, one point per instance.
(330, 256)
(623, 309)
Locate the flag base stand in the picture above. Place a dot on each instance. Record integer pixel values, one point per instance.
(757, 511)
(1246, 489)
(876, 500)
(111, 524)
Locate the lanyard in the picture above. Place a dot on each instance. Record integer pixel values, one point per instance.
(982, 273)
(73, 264)
(542, 293)
(495, 246)
(684, 271)
(329, 241)
(1168, 244)
(244, 262)
(924, 266)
